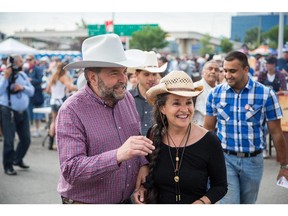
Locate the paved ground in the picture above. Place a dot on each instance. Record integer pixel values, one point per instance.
(38, 184)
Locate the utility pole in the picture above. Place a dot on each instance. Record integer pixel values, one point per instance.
(259, 30)
(280, 35)
(113, 21)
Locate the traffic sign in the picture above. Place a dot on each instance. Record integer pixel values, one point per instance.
(121, 30)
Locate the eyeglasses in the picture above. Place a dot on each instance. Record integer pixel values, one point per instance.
(29, 59)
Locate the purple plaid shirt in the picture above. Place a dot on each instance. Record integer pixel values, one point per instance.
(89, 132)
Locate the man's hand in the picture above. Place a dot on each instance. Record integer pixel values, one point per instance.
(18, 87)
(283, 172)
(135, 146)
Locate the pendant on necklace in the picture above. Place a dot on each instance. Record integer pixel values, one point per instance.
(176, 178)
(177, 163)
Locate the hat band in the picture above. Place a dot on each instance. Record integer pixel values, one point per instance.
(150, 66)
(180, 89)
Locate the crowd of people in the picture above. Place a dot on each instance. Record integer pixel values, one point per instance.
(145, 128)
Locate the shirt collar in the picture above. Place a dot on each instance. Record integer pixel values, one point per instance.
(248, 86)
(135, 92)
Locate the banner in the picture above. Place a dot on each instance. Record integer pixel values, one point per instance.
(283, 100)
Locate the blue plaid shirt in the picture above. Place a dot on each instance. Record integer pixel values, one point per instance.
(241, 117)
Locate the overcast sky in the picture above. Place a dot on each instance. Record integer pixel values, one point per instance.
(216, 24)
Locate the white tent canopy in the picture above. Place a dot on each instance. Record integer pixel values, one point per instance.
(11, 46)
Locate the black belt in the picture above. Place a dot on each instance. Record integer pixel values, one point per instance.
(243, 154)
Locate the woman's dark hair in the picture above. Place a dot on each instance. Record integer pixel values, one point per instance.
(156, 133)
(239, 56)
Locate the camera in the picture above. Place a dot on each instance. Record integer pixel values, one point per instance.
(15, 69)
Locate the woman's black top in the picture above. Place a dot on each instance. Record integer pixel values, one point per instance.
(202, 172)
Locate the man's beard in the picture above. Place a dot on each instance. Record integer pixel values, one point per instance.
(110, 94)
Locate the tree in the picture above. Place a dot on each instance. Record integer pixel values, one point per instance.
(251, 38)
(82, 24)
(149, 38)
(206, 47)
(226, 45)
(271, 36)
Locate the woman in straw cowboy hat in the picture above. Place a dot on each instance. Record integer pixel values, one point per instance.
(186, 155)
(97, 129)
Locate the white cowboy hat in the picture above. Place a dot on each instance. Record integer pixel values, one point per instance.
(150, 65)
(176, 82)
(107, 51)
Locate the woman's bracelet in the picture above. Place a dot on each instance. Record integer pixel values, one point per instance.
(202, 201)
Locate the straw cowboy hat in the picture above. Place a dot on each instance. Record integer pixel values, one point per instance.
(176, 82)
(150, 65)
(107, 51)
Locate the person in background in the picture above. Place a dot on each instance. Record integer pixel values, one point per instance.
(273, 79)
(221, 78)
(101, 151)
(186, 155)
(162, 61)
(35, 74)
(2, 70)
(147, 76)
(132, 80)
(59, 84)
(282, 63)
(15, 90)
(241, 108)
(210, 75)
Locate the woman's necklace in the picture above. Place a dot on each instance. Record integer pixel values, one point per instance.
(178, 161)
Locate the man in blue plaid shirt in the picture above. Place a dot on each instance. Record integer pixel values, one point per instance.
(241, 107)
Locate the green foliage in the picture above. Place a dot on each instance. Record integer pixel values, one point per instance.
(206, 48)
(251, 38)
(269, 37)
(226, 45)
(149, 38)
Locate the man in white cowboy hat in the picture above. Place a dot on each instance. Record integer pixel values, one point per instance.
(147, 76)
(98, 128)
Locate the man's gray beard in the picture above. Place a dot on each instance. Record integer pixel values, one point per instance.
(108, 93)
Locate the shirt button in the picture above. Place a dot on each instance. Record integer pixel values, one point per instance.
(119, 128)
(127, 185)
(129, 166)
(145, 125)
(146, 112)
